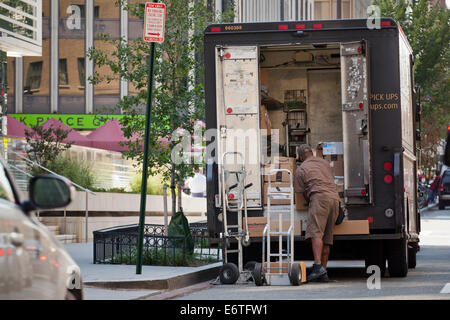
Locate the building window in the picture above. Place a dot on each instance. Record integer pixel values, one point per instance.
(63, 77)
(81, 73)
(34, 75)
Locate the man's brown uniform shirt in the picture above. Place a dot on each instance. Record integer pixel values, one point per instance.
(314, 176)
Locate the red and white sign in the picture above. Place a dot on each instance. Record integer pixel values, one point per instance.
(155, 14)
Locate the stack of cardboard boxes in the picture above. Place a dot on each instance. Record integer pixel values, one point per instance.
(281, 182)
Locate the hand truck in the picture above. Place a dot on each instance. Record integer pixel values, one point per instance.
(295, 271)
(234, 199)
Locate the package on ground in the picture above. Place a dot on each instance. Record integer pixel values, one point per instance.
(330, 148)
(336, 164)
(300, 202)
(265, 120)
(256, 226)
(280, 163)
(348, 227)
(277, 187)
(275, 268)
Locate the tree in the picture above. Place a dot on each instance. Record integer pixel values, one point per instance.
(45, 145)
(428, 30)
(178, 96)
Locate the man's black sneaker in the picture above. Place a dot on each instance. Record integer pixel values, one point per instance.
(317, 271)
(323, 279)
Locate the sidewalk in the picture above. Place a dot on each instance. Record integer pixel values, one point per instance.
(112, 282)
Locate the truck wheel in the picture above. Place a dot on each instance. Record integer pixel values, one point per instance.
(412, 251)
(397, 258)
(376, 255)
(295, 276)
(229, 273)
(258, 274)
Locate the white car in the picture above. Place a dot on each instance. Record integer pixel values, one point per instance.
(33, 263)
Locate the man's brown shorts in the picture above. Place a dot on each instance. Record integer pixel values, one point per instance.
(322, 214)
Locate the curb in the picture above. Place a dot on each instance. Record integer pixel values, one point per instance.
(428, 208)
(159, 284)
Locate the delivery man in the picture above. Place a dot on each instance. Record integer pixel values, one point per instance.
(315, 180)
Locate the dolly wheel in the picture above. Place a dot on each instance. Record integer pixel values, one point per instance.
(295, 276)
(258, 274)
(229, 273)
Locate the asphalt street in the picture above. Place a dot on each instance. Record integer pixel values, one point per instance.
(429, 280)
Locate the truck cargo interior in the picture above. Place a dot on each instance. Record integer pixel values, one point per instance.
(301, 92)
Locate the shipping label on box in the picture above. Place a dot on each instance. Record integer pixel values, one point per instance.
(333, 148)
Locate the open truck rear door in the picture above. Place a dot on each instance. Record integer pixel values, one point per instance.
(356, 123)
(238, 113)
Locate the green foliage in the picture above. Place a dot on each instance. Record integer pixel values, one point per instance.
(427, 28)
(179, 95)
(77, 171)
(162, 257)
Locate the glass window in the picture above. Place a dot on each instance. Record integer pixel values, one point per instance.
(446, 178)
(6, 192)
(34, 75)
(81, 67)
(63, 77)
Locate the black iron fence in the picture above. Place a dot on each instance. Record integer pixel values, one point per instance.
(119, 246)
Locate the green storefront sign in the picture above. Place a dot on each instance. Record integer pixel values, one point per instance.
(74, 121)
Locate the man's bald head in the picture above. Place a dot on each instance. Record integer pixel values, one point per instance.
(304, 151)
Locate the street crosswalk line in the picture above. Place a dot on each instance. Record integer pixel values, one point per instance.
(446, 288)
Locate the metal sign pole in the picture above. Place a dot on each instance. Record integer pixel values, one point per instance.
(145, 164)
(146, 147)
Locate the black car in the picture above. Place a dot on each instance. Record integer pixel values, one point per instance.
(444, 190)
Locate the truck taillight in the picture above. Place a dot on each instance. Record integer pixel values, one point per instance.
(388, 178)
(215, 29)
(385, 23)
(370, 219)
(317, 26)
(283, 27)
(302, 26)
(388, 166)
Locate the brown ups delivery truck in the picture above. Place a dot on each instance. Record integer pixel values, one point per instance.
(334, 82)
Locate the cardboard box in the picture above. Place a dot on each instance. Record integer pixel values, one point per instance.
(274, 226)
(280, 163)
(256, 226)
(318, 152)
(336, 164)
(283, 187)
(265, 120)
(348, 227)
(300, 202)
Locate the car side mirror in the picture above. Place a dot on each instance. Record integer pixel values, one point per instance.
(50, 192)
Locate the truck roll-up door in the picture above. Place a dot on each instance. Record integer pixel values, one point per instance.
(238, 113)
(356, 123)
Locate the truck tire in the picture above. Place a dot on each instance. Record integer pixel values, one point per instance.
(412, 251)
(397, 258)
(376, 255)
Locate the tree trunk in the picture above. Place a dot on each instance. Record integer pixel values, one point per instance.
(172, 189)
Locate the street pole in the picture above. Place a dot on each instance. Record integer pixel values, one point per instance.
(145, 164)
